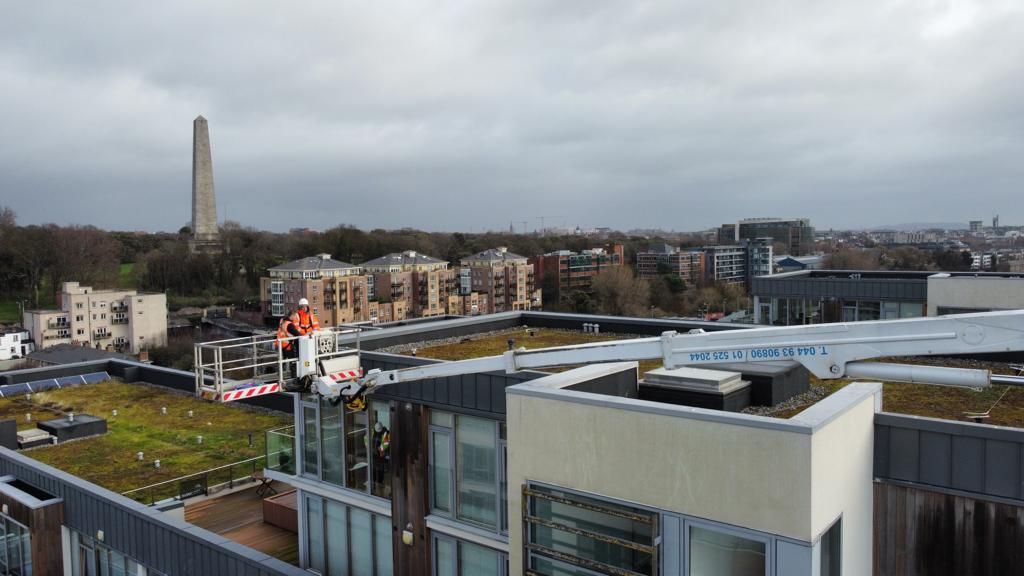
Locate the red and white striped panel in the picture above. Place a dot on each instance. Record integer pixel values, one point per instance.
(346, 375)
(251, 392)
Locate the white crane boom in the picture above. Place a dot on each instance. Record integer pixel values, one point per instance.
(826, 350)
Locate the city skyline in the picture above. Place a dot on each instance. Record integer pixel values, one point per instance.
(598, 115)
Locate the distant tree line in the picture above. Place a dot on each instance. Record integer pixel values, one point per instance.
(906, 258)
(34, 257)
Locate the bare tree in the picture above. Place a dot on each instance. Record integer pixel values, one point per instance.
(619, 293)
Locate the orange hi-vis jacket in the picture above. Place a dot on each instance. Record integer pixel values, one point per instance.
(306, 321)
(282, 333)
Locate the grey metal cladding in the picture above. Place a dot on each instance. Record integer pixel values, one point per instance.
(936, 455)
(168, 545)
(477, 394)
(903, 454)
(968, 464)
(1002, 469)
(962, 456)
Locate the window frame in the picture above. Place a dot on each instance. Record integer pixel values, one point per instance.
(310, 402)
(736, 531)
(500, 464)
(326, 538)
(456, 544)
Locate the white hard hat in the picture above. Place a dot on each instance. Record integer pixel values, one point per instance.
(303, 302)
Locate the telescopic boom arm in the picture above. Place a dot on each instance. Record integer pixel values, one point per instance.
(826, 350)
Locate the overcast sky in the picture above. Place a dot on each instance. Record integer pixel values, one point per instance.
(469, 115)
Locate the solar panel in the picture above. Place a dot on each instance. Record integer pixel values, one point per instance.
(9, 390)
(16, 389)
(69, 381)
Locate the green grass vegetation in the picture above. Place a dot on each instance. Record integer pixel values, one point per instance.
(139, 426)
(126, 277)
(9, 312)
(917, 399)
(529, 338)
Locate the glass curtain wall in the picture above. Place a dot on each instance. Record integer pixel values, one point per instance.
(15, 548)
(347, 541)
(459, 558)
(467, 469)
(348, 449)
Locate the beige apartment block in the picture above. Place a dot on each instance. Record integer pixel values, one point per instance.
(119, 320)
(506, 278)
(422, 282)
(337, 291)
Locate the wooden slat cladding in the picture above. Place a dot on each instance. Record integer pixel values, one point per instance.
(409, 496)
(921, 532)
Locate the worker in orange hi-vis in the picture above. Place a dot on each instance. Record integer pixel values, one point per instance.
(304, 319)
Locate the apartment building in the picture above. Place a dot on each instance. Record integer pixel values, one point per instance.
(760, 260)
(506, 280)
(739, 264)
(337, 291)
(480, 474)
(120, 320)
(726, 264)
(661, 259)
(564, 271)
(422, 283)
(796, 233)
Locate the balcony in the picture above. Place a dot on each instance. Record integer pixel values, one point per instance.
(101, 335)
(280, 446)
(57, 323)
(119, 321)
(119, 307)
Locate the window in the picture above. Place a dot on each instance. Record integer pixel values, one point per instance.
(90, 558)
(441, 478)
(331, 442)
(467, 472)
(568, 533)
(831, 548)
(357, 466)
(715, 552)
(380, 455)
(349, 449)
(310, 441)
(15, 547)
(459, 558)
(80, 331)
(343, 540)
(476, 473)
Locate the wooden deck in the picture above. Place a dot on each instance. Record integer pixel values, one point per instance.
(239, 517)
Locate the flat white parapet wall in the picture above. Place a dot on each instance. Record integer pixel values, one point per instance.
(788, 478)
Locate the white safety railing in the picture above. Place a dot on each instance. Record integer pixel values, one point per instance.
(237, 368)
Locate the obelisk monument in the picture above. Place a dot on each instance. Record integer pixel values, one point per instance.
(205, 236)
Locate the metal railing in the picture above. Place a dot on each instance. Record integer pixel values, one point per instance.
(223, 365)
(200, 483)
(280, 447)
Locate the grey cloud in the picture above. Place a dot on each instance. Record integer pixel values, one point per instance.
(468, 115)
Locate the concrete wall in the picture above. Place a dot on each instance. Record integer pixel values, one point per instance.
(980, 293)
(842, 455)
(791, 478)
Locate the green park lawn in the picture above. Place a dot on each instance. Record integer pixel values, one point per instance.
(126, 277)
(110, 460)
